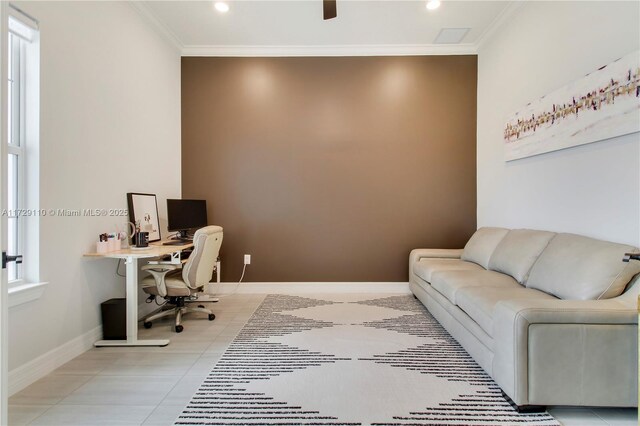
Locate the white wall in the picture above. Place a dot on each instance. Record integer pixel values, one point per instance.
(593, 189)
(110, 124)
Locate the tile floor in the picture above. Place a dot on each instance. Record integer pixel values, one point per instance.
(135, 386)
(119, 386)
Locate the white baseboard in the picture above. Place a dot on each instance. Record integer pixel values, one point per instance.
(26, 374)
(310, 287)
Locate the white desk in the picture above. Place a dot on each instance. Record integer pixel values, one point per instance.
(131, 257)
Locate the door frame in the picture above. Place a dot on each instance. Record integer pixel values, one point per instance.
(4, 289)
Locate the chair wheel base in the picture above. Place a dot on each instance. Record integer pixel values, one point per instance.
(212, 317)
(179, 328)
(147, 324)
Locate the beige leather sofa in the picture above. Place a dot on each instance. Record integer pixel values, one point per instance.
(551, 317)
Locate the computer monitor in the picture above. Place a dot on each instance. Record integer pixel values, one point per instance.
(185, 216)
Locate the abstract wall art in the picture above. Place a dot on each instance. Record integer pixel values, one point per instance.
(601, 105)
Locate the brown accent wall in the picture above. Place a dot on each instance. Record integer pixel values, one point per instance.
(333, 168)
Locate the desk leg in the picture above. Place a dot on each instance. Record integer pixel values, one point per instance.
(132, 299)
(132, 312)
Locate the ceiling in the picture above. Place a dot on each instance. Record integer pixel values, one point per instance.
(365, 27)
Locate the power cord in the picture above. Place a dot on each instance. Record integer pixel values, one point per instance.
(153, 298)
(235, 290)
(242, 276)
(118, 269)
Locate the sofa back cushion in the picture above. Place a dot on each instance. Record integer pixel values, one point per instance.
(581, 268)
(482, 244)
(518, 251)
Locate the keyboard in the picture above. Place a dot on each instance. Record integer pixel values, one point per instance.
(175, 243)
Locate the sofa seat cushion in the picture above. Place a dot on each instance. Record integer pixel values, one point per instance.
(479, 302)
(426, 267)
(464, 320)
(448, 283)
(574, 267)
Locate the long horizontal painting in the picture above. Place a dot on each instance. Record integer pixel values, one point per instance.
(601, 105)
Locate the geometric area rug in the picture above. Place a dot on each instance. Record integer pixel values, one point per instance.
(348, 360)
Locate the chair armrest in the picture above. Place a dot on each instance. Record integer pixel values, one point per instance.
(417, 254)
(511, 321)
(161, 267)
(159, 271)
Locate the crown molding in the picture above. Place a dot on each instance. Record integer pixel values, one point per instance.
(332, 50)
(157, 24)
(498, 22)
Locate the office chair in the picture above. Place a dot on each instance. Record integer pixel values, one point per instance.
(179, 284)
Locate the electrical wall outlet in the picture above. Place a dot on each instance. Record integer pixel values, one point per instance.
(247, 259)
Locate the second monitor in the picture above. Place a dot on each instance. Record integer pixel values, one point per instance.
(186, 216)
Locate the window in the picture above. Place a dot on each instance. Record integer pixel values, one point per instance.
(15, 151)
(22, 148)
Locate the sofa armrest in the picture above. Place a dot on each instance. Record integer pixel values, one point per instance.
(541, 311)
(511, 322)
(417, 254)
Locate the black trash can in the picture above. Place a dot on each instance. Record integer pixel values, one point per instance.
(114, 319)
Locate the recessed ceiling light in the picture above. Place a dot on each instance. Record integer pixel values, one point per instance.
(221, 6)
(433, 4)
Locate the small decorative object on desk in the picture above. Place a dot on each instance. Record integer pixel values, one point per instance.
(102, 247)
(142, 239)
(124, 240)
(112, 242)
(126, 235)
(108, 242)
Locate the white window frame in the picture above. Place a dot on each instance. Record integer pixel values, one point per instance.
(18, 150)
(29, 286)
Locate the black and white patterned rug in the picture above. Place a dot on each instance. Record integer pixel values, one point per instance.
(348, 360)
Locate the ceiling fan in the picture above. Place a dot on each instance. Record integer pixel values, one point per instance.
(329, 9)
